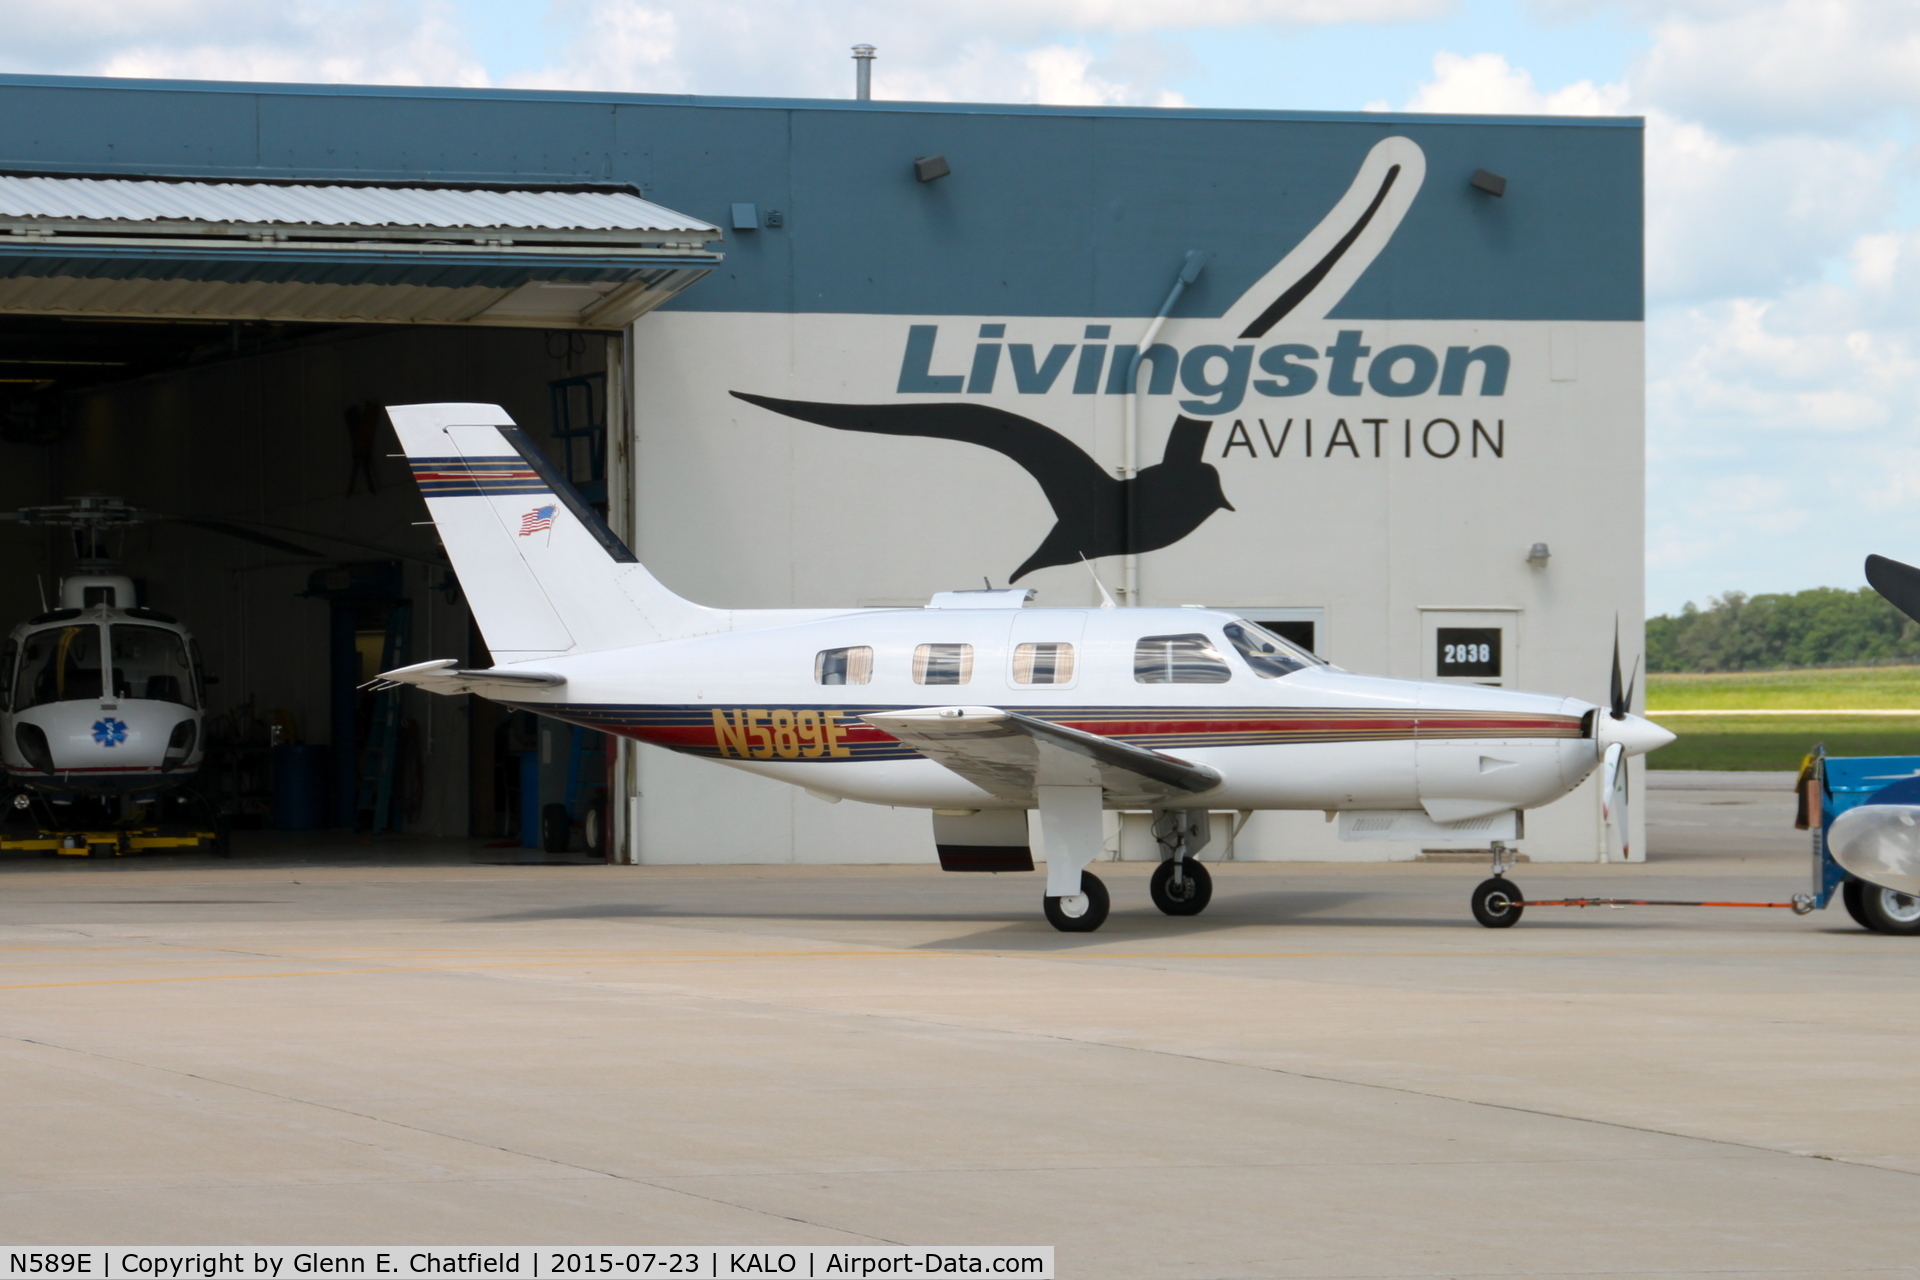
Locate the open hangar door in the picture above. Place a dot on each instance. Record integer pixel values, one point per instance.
(216, 355)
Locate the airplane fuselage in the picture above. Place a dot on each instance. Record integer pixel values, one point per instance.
(1313, 738)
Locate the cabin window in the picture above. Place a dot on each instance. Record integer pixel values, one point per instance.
(1186, 659)
(943, 664)
(843, 666)
(60, 664)
(151, 663)
(1268, 655)
(1043, 663)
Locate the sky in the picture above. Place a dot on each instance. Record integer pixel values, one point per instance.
(1783, 196)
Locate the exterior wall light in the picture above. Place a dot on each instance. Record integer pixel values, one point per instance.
(928, 168)
(1537, 555)
(1491, 183)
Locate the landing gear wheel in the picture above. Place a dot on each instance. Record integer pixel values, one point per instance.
(1889, 911)
(593, 828)
(1497, 903)
(1085, 911)
(1187, 898)
(1851, 894)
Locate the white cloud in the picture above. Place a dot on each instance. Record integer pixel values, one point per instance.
(364, 41)
(1486, 84)
(1787, 65)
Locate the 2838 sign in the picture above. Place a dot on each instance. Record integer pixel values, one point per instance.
(1467, 651)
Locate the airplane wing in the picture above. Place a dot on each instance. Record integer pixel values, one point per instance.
(1009, 755)
(446, 675)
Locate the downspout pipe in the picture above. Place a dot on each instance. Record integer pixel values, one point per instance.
(1190, 270)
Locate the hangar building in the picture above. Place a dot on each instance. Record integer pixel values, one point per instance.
(1409, 346)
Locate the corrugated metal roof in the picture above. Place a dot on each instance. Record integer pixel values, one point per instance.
(323, 205)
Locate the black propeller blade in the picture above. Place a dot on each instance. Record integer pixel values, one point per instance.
(1621, 697)
(1614, 693)
(1899, 583)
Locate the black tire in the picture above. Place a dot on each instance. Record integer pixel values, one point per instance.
(1497, 903)
(1191, 897)
(1851, 892)
(1889, 911)
(556, 828)
(593, 828)
(1098, 904)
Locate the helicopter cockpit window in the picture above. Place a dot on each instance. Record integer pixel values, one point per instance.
(8, 657)
(60, 664)
(1268, 655)
(151, 663)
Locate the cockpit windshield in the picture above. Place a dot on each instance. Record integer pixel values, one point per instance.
(151, 663)
(1268, 655)
(59, 664)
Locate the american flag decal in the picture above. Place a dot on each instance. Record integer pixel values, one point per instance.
(538, 520)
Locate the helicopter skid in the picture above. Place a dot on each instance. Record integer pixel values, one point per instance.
(111, 842)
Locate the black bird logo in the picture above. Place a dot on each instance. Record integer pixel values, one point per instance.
(1095, 515)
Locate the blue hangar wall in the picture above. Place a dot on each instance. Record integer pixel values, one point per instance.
(1402, 382)
(1050, 211)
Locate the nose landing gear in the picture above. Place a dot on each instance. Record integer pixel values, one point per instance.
(1498, 902)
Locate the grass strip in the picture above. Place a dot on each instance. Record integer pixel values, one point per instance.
(1843, 688)
(1778, 742)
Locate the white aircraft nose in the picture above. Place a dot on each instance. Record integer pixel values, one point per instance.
(1880, 843)
(1635, 733)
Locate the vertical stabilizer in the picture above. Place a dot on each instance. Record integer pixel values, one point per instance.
(540, 568)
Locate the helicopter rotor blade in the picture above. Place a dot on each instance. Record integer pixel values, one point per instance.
(261, 532)
(247, 535)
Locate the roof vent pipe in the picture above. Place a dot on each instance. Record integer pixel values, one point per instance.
(863, 55)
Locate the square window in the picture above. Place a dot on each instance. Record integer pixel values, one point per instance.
(1042, 663)
(1183, 659)
(943, 664)
(843, 666)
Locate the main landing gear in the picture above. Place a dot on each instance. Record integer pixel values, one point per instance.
(1180, 885)
(1076, 901)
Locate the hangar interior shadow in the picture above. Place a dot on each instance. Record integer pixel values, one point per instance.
(297, 553)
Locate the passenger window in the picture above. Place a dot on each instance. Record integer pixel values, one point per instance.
(1268, 655)
(1044, 663)
(843, 666)
(1187, 659)
(943, 664)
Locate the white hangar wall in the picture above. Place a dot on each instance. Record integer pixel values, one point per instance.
(1383, 540)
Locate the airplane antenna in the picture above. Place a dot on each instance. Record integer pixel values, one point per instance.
(989, 581)
(41, 582)
(1106, 598)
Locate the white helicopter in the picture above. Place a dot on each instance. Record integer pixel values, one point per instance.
(101, 699)
(979, 708)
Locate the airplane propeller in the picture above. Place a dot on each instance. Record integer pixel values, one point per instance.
(1614, 769)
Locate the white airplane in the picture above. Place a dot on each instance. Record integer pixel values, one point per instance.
(979, 708)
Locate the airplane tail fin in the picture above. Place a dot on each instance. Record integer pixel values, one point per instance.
(542, 571)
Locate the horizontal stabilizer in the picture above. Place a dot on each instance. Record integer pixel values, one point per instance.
(445, 675)
(1008, 755)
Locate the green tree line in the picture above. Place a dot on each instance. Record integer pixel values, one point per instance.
(1823, 627)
